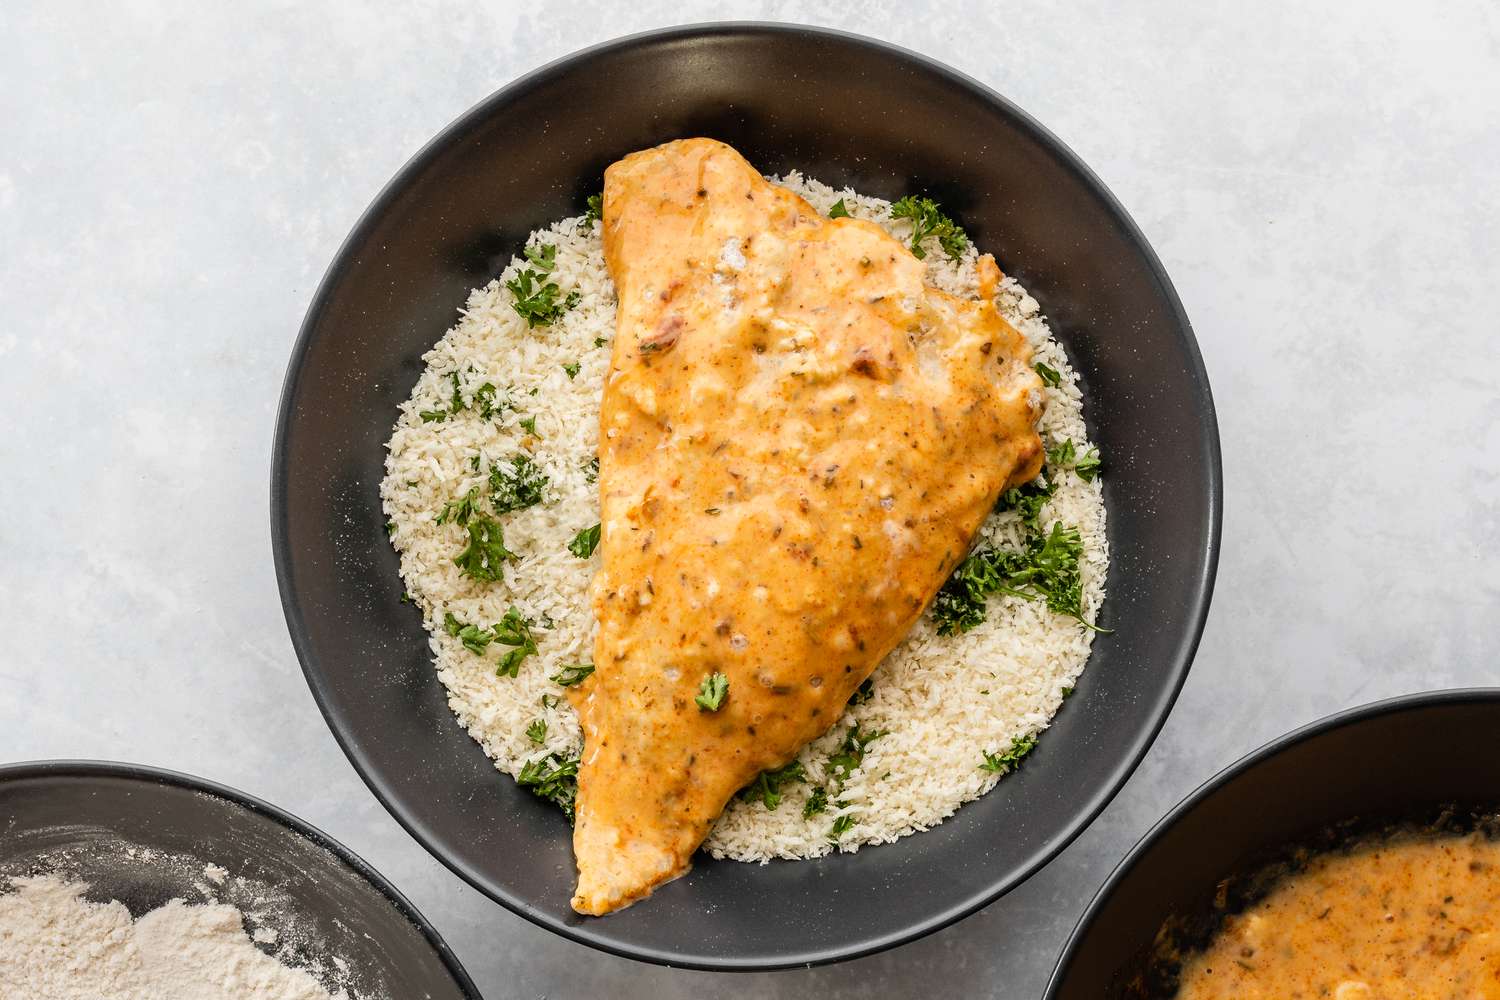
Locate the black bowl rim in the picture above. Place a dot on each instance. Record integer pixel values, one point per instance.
(1347, 717)
(148, 774)
(1198, 604)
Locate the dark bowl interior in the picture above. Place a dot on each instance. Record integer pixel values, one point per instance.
(1404, 761)
(848, 111)
(90, 822)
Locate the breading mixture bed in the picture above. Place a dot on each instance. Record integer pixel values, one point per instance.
(501, 433)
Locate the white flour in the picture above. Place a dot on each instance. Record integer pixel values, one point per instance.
(56, 945)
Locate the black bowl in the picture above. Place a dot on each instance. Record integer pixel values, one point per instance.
(848, 111)
(90, 820)
(1405, 761)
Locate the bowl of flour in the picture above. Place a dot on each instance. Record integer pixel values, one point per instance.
(120, 882)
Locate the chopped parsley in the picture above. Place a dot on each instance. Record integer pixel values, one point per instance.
(517, 486)
(553, 779)
(1065, 456)
(536, 299)
(571, 367)
(585, 542)
(537, 731)
(1062, 455)
(528, 424)
(600, 341)
(852, 753)
(1045, 569)
(595, 210)
(767, 785)
(1027, 500)
(591, 470)
(1050, 376)
(712, 692)
(461, 510)
(1087, 466)
(390, 528)
(838, 211)
(475, 638)
(928, 220)
(484, 400)
(486, 553)
(543, 257)
(513, 630)
(1008, 760)
(865, 693)
(573, 673)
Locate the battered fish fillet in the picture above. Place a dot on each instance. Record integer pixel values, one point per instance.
(798, 441)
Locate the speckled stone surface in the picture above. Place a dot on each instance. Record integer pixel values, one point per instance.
(174, 178)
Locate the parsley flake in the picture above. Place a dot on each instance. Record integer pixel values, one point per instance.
(767, 785)
(928, 220)
(852, 753)
(839, 210)
(1045, 569)
(536, 299)
(554, 779)
(516, 487)
(543, 257)
(584, 543)
(476, 639)
(1008, 760)
(1027, 500)
(513, 630)
(573, 673)
(484, 400)
(459, 511)
(486, 553)
(712, 692)
(1049, 375)
(1065, 456)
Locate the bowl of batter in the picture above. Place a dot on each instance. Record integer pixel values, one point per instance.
(1353, 858)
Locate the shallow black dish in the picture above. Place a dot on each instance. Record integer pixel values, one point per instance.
(82, 818)
(1407, 760)
(846, 110)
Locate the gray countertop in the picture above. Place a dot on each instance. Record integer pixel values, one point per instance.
(174, 178)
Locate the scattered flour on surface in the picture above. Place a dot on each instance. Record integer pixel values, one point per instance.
(941, 701)
(54, 944)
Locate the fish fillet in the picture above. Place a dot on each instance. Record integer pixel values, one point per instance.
(798, 441)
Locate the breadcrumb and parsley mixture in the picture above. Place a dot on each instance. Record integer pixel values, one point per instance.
(491, 493)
